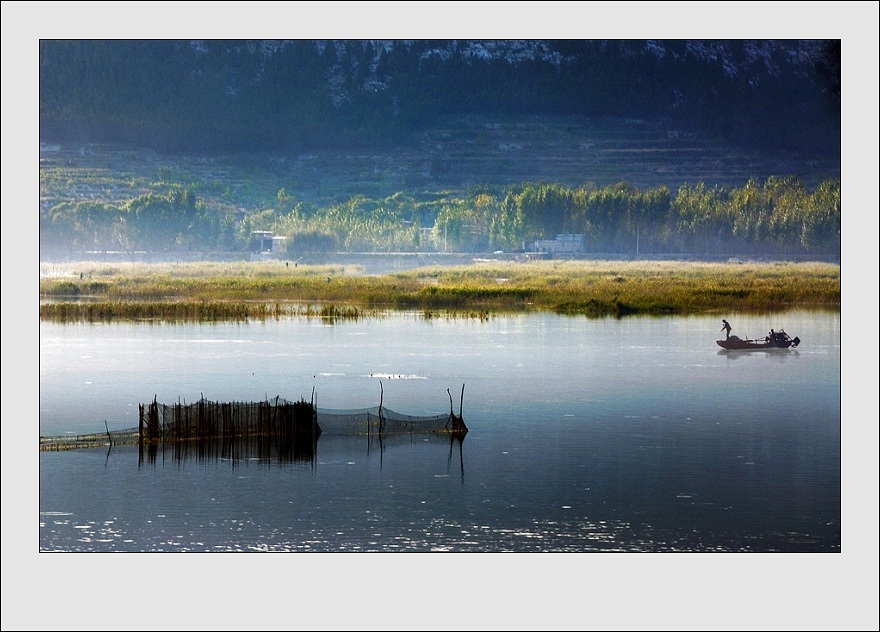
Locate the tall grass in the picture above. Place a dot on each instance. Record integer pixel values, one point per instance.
(201, 311)
(241, 291)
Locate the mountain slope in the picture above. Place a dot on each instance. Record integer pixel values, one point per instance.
(294, 95)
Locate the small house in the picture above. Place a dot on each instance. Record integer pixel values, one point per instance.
(261, 241)
(564, 243)
(264, 242)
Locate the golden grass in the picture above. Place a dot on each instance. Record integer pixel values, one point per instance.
(259, 290)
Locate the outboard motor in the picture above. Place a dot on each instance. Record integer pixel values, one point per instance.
(795, 342)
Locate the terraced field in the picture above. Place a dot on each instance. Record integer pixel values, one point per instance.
(446, 159)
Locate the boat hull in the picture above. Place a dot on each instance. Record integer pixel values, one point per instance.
(746, 345)
(756, 345)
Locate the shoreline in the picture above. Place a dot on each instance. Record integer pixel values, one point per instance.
(98, 291)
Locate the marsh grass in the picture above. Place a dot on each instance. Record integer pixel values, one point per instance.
(201, 311)
(262, 290)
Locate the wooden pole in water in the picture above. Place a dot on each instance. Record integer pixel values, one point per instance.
(461, 403)
(140, 434)
(381, 395)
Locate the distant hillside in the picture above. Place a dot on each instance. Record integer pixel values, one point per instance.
(197, 97)
(477, 186)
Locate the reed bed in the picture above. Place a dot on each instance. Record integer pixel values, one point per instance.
(106, 311)
(264, 290)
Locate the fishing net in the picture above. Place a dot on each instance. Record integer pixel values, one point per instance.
(382, 420)
(287, 420)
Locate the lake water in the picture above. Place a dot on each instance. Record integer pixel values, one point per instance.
(635, 435)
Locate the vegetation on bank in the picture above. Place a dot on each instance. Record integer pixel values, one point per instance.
(780, 216)
(264, 290)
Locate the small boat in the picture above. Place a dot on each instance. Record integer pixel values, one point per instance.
(773, 340)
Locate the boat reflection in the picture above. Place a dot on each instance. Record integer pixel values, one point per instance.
(775, 354)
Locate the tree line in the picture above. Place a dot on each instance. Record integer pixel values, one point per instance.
(779, 216)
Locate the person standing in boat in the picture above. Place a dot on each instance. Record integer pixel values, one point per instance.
(726, 329)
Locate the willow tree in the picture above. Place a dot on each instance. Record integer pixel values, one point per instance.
(699, 218)
(88, 224)
(820, 224)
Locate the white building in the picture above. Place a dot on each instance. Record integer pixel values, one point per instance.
(265, 243)
(564, 243)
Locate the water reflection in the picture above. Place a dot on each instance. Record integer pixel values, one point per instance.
(780, 355)
(293, 448)
(297, 450)
(234, 449)
(455, 442)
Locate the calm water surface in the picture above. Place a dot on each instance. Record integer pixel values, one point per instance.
(585, 435)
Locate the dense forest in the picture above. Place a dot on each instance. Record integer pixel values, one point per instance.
(300, 95)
